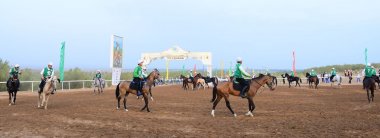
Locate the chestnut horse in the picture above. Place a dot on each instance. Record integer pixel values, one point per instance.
(123, 90)
(227, 89)
(311, 80)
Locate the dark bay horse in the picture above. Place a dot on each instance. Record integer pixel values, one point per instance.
(227, 89)
(291, 79)
(12, 89)
(312, 80)
(185, 82)
(369, 85)
(283, 78)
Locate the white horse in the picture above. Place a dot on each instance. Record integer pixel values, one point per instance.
(201, 82)
(337, 79)
(50, 86)
(100, 84)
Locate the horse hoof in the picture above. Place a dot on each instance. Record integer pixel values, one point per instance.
(235, 115)
(117, 108)
(126, 110)
(10, 104)
(213, 113)
(151, 98)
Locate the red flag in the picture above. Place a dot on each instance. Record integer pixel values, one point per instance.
(294, 63)
(195, 70)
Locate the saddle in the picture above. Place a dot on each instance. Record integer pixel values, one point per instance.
(134, 85)
(238, 87)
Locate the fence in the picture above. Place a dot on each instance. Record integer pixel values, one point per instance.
(79, 84)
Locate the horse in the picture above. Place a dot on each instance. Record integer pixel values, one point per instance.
(123, 90)
(50, 86)
(185, 82)
(213, 80)
(283, 78)
(150, 81)
(12, 89)
(369, 85)
(291, 79)
(201, 82)
(227, 89)
(311, 80)
(337, 78)
(100, 84)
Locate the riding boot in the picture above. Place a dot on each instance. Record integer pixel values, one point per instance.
(242, 92)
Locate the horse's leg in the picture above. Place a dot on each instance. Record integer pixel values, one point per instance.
(218, 98)
(289, 83)
(10, 98)
(369, 96)
(146, 103)
(118, 103)
(43, 99)
(150, 93)
(125, 102)
(39, 100)
(46, 103)
(372, 93)
(251, 107)
(14, 100)
(229, 105)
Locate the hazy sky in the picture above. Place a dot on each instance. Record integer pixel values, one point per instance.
(264, 33)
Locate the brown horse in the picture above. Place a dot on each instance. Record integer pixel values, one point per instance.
(50, 86)
(123, 90)
(311, 80)
(370, 85)
(154, 75)
(185, 82)
(227, 89)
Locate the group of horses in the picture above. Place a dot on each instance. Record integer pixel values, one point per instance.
(223, 91)
(198, 81)
(311, 80)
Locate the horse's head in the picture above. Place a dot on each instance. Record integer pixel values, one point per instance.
(287, 75)
(52, 82)
(15, 77)
(307, 74)
(270, 81)
(155, 74)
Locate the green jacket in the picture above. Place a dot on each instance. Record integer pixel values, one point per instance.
(313, 73)
(13, 71)
(98, 75)
(240, 72)
(292, 74)
(373, 72)
(47, 72)
(191, 74)
(368, 71)
(333, 72)
(137, 73)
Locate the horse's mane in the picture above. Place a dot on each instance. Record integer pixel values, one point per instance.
(259, 77)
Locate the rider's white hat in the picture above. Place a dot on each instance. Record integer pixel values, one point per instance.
(239, 59)
(332, 68)
(368, 64)
(17, 65)
(191, 70)
(312, 69)
(140, 61)
(50, 63)
(98, 71)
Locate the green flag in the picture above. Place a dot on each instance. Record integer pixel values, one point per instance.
(62, 62)
(366, 56)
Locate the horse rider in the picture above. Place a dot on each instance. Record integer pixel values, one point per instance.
(313, 73)
(368, 72)
(138, 77)
(292, 74)
(191, 77)
(46, 73)
(333, 74)
(98, 75)
(240, 75)
(12, 72)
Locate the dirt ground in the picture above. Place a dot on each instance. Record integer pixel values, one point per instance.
(285, 112)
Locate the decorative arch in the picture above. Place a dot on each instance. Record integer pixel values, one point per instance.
(177, 53)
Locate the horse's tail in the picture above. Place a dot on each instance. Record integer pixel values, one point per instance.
(275, 80)
(117, 92)
(215, 82)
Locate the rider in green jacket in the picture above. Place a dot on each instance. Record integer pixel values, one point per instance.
(240, 75)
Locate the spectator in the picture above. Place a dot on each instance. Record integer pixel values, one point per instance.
(358, 78)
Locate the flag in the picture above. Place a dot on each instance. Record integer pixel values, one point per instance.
(366, 56)
(62, 62)
(195, 70)
(294, 63)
